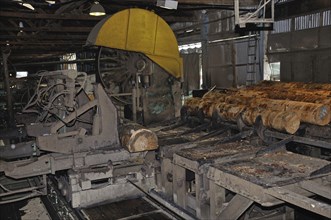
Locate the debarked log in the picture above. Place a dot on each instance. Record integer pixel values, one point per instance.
(136, 138)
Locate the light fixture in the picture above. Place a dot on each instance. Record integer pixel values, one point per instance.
(168, 4)
(21, 26)
(21, 74)
(97, 10)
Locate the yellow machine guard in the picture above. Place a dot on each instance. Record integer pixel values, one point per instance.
(142, 31)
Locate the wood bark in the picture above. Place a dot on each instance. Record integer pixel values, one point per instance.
(295, 85)
(136, 138)
(228, 112)
(282, 106)
(281, 121)
(317, 114)
(191, 105)
(293, 95)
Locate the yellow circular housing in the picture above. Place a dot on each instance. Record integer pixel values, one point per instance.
(142, 31)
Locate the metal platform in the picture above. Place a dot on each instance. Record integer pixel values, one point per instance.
(139, 208)
(272, 179)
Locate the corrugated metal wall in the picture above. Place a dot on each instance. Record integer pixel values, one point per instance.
(219, 68)
(221, 62)
(302, 45)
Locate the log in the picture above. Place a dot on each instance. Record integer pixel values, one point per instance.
(301, 95)
(281, 121)
(207, 107)
(317, 114)
(299, 85)
(250, 115)
(191, 105)
(228, 112)
(283, 106)
(216, 96)
(136, 138)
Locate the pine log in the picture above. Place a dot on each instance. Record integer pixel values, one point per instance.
(228, 112)
(293, 95)
(278, 120)
(295, 85)
(282, 105)
(317, 114)
(191, 106)
(136, 138)
(216, 96)
(250, 115)
(281, 121)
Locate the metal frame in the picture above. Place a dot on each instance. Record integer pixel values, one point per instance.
(242, 20)
(295, 193)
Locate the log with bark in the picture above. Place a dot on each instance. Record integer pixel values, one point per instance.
(282, 106)
(301, 95)
(192, 105)
(136, 138)
(295, 85)
(228, 112)
(317, 114)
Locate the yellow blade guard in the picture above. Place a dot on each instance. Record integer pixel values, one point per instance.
(142, 31)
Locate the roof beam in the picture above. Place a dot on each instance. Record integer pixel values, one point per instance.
(20, 15)
(45, 43)
(45, 37)
(50, 16)
(49, 29)
(219, 2)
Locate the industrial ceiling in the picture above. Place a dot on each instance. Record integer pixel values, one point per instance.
(36, 30)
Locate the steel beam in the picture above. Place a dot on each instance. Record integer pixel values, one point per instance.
(236, 207)
(309, 204)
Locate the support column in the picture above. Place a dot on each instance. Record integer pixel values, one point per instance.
(179, 186)
(217, 199)
(204, 48)
(5, 55)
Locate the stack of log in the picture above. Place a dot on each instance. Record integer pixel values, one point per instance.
(282, 106)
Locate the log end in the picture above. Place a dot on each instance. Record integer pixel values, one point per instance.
(141, 140)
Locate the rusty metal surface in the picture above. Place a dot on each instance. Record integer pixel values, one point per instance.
(205, 153)
(274, 169)
(129, 209)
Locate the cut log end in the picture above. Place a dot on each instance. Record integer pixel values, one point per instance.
(135, 138)
(142, 140)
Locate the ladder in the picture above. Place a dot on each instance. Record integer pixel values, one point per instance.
(251, 76)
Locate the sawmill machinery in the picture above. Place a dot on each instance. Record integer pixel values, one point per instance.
(227, 158)
(79, 136)
(82, 135)
(139, 64)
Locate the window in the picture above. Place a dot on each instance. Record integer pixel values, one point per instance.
(69, 57)
(307, 21)
(275, 71)
(326, 18)
(282, 26)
